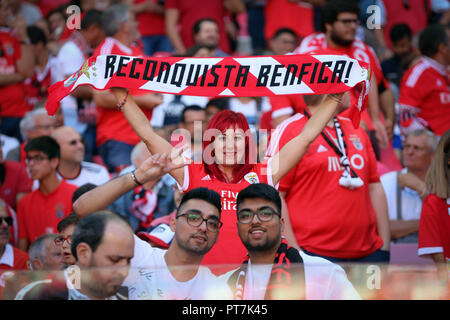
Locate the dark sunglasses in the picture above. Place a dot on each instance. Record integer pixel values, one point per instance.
(8, 220)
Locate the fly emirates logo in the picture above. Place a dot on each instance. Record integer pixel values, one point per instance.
(229, 200)
(356, 162)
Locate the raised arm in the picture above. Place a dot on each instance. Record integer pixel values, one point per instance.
(140, 124)
(104, 195)
(293, 151)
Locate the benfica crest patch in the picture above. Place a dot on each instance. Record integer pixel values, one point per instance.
(356, 142)
(251, 178)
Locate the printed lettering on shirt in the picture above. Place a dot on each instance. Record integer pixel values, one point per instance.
(334, 164)
(445, 97)
(228, 200)
(357, 161)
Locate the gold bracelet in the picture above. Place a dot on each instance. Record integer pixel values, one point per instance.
(121, 104)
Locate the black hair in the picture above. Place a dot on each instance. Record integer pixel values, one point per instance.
(430, 39)
(197, 24)
(192, 107)
(204, 194)
(91, 17)
(284, 30)
(333, 8)
(59, 10)
(221, 103)
(82, 190)
(192, 51)
(71, 219)
(46, 144)
(400, 31)
(91, 228)
(259, 190)
(36, 35)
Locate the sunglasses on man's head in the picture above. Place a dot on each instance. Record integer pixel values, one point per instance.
(8, 220)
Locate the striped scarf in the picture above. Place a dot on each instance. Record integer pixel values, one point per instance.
(287, 278)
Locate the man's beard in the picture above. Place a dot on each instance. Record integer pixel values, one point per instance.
(339, 41)
(269, 244)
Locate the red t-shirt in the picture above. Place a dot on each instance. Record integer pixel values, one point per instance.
(358, 50)
(285, 14)
(229, 248)
(328, 219)
(12, 97)
(16, 181)
(39, 213)
(150, 24)
(434, 226)
(192, 11)
(111, 123)
(424, 93)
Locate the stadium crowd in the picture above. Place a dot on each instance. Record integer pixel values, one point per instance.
(124, 180)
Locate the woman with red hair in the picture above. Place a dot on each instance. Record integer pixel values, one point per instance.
(229, 164)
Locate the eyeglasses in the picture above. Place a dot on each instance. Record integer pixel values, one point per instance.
(8, 220)
(35, 159)
(264, 214)
(194, 218)
(59, 240)
(348, 21)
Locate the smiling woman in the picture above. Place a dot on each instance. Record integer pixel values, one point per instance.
(229, 164)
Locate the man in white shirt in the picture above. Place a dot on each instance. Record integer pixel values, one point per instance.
(71, 167)
(406, 189)
(274, 270)
(174, 273)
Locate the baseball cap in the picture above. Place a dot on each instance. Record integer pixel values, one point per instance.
(161, 236)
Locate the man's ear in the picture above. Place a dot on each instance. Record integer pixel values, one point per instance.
(54, 162)
(36, 264)
(173, 224)
(84, 254)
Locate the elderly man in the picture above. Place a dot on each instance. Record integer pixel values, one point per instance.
(35, 123)
(406, 189)
(45, 254)
(71, 166)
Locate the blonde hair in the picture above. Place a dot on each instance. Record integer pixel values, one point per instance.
(438, 175)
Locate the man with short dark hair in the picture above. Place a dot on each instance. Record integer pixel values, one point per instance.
(40, 211)
(424, 100)
(175, 273)
(339, 25)
(401, 39)
(193, 122)
(284, 41)
(102, 245)
(206, 32)
(260, 226)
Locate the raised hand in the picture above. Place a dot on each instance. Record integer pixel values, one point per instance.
(157, 165)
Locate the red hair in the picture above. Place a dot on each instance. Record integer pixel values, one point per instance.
(222, 121)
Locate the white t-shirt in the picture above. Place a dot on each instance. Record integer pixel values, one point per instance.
(89, 173)
(411, 202)
(324, 280)
(8, 143)
(149, 279)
